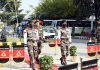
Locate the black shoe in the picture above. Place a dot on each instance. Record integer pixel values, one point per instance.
(64, 63)
(33, 67)
(61, 60)
(30, 66)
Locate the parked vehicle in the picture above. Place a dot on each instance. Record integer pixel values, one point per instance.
(8, 30)
(49, 32)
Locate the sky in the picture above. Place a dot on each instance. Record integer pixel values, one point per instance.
(25, 5)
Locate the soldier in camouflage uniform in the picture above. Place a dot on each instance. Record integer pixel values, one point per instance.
(34, 41)
(38, 41)
(65, 42)
(30, 43)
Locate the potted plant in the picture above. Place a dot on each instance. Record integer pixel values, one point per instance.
(73, 51)
(45, 62)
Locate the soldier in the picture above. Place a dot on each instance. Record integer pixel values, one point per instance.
(34, 41)
(38, 28)
(30, 41)
(65, 41)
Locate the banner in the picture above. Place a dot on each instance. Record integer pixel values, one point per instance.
(90, 65)
(69, 67)
(54, 42)
(18, 52)
(4, 52)
(91, 49)
(98, 47)
(51, 42)
(91, 68)
(58, 42)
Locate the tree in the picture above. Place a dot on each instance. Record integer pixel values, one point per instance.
(97, 8)
(55, 9)
(84, 8)
(79, 9)
(10, 10)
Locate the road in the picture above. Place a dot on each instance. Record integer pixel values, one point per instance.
(55, 52)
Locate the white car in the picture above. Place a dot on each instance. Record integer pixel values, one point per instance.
(49, 32)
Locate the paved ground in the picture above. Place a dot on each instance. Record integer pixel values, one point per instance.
(55, 52)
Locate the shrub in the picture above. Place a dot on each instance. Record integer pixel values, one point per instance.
(73, 50)
(45, 62)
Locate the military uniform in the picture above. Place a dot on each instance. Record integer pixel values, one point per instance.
(31, 42)
(65, 43)
(37, 42)
(30, 52)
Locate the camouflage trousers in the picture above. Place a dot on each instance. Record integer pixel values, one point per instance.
(35, 50)
(31, 56)
(64, 51)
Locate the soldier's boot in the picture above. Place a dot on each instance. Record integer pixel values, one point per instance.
(61, 60)
(30, 65)
(33, 67)
(64, 60)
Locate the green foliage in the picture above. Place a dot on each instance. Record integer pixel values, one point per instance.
(20, 18)
(45, 62)
(10, 9)
(73, 50)
(79, 9)
(84, 9)
(56, 8)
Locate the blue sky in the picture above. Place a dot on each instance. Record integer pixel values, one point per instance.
(25, 5)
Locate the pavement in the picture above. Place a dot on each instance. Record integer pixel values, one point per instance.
(56, 54)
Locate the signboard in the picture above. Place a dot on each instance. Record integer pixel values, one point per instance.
(4, 52)
(18, 52)
(91, 48)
